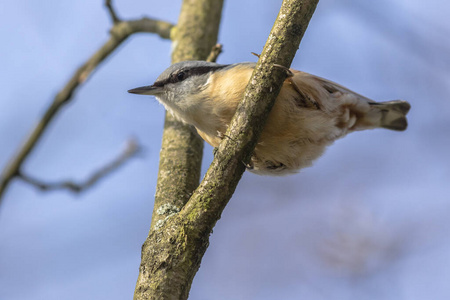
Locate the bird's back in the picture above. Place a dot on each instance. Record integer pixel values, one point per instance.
(309, 114)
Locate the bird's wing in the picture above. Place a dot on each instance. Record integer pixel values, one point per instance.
(328, 85)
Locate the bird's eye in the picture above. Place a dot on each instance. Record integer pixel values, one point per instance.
(181, 75)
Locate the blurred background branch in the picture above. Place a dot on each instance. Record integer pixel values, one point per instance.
(119, 32)
(112, 12)
(132, 149)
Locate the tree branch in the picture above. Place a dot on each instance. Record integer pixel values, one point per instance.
(215, 52)
(173, 251)
(119, 32)
(182, 148)
(131, 150)
(112, 12)
(180, 156)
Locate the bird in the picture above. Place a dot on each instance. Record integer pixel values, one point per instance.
(308, 115)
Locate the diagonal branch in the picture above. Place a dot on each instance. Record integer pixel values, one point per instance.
(119, 32)
(131, 150)
(174, 249)
(220, 181)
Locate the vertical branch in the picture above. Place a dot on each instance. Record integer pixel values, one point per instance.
(180, 157)
(182, 148)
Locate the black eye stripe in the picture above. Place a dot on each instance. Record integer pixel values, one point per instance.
(183, 74)
(204, 69)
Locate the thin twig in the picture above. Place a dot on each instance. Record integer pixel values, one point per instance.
(119, 32)
(131, 150)
(112, 12)
(215, 52)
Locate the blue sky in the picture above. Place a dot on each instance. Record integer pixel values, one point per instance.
(368, 221)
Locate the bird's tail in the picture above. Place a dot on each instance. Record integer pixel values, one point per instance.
(391, 114)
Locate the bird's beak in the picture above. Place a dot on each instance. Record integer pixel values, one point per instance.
(146, 90)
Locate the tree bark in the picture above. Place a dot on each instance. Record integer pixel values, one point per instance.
(173, 251)
(180, 160)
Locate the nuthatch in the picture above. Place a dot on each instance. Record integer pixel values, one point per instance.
(309, 113)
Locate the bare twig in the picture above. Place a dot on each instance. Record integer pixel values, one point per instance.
(112, 12)
(131, 150)
(215, 52)
(119, 32)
